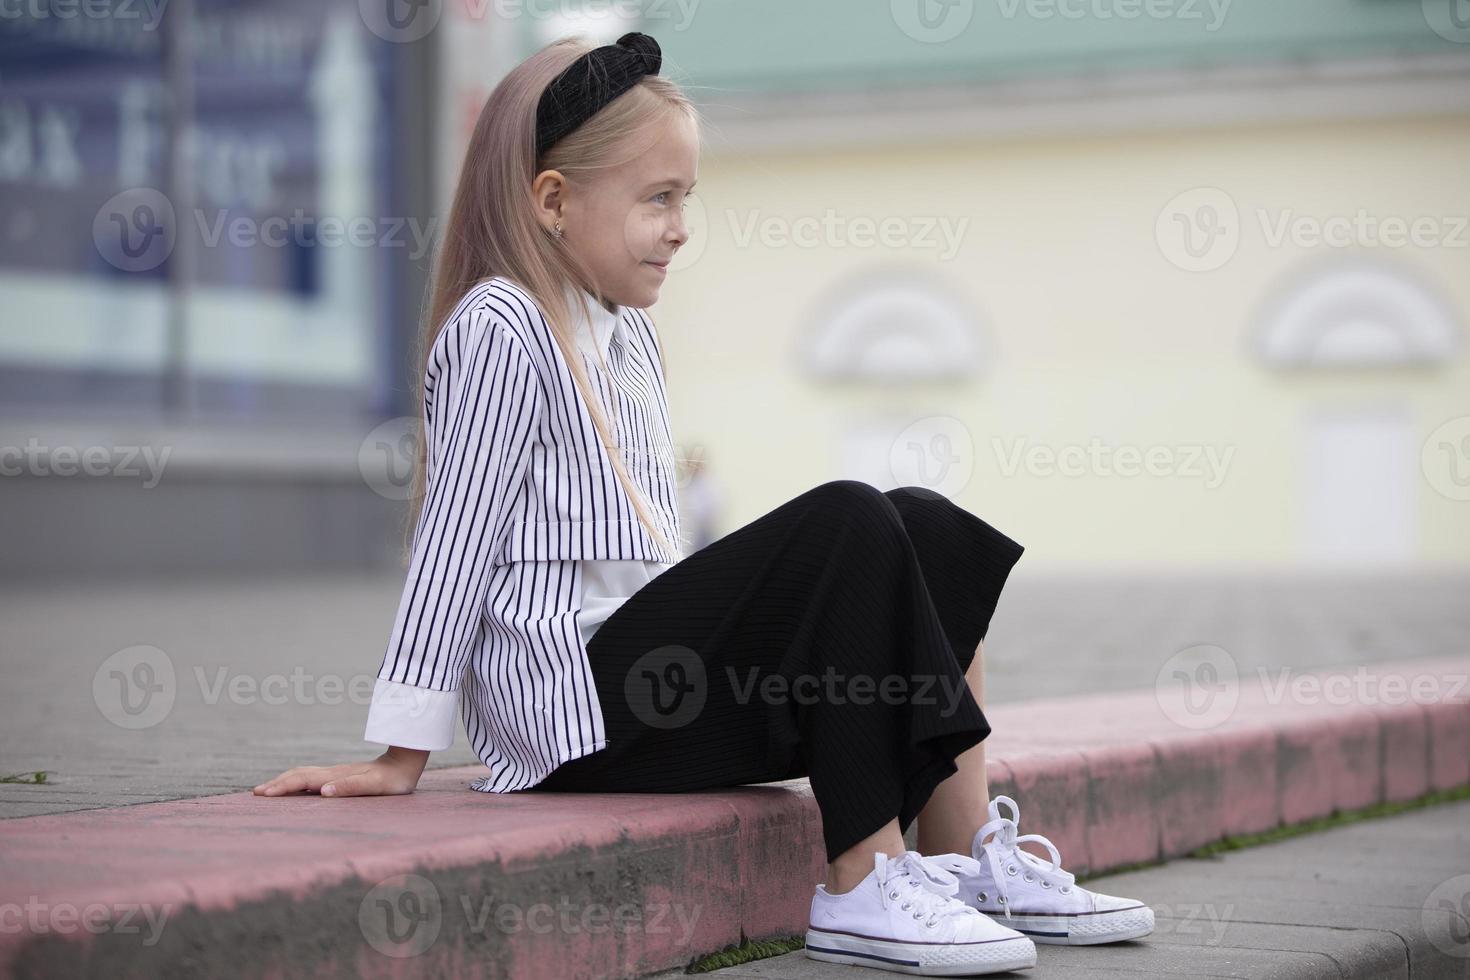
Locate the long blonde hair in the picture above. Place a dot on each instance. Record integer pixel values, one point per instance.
(493, 231)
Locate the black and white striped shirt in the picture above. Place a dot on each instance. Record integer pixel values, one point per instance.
(522, 516)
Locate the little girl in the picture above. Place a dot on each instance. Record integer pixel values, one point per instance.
(837, 637)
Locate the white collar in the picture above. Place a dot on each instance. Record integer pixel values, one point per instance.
(604, 323)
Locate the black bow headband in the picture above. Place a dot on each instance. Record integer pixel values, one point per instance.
(591, 82)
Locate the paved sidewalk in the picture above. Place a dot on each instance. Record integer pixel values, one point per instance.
(319, 885)
(1379, 899)
(263, 674)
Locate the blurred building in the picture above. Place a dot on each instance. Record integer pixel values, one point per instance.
(1182, 283)
(215, 233)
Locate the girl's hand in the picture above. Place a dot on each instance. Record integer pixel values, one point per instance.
(393, 773)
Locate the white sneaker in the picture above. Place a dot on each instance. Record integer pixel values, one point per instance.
(904, 917)
(1037, 898)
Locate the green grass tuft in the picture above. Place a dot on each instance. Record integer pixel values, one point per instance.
(1338, 818)
(39, 776)
(751, 949)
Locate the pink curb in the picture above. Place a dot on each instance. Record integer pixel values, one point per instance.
(553, 885)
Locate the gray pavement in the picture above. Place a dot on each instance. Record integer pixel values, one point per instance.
(1385, 898)
(271, 673)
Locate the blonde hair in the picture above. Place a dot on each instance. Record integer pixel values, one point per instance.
(493, 231)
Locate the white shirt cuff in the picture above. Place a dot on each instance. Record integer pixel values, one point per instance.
(411, 717)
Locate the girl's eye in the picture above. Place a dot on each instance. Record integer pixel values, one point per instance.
(659, 195)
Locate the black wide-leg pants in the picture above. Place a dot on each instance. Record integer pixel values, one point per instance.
(828, 638)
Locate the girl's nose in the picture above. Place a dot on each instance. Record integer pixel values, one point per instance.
(678, 232)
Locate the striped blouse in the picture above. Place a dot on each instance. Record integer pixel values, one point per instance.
(526, 542)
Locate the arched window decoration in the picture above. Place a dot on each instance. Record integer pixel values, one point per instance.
(1357, 313)
(893, 328)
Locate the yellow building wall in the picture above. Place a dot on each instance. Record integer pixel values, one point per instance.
(1092, 330)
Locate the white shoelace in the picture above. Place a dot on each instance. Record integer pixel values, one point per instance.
(927, 889)
(1003, 852)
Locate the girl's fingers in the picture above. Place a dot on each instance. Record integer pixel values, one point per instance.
(351, 779)
(292, 781)
(354, 784)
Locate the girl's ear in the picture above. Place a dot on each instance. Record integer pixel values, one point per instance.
(547, 196)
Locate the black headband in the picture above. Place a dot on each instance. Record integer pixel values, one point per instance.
(591, 82)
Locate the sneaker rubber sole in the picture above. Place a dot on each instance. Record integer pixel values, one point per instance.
(1084, 929)
(923, 959)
